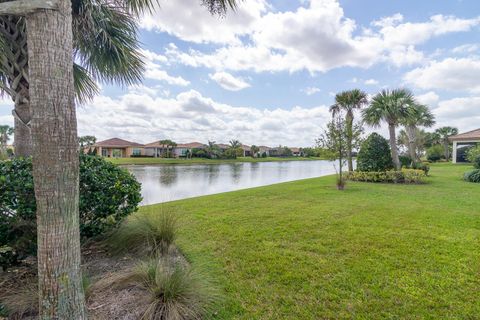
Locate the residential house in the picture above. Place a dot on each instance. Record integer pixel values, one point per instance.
(296, 152)
(264, 149)
(156, 149)
(462, 142)
(247, 151)
(184, 149)
(118, 148)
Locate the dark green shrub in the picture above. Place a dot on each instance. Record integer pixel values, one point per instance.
(405, 161)
(374, 154)
(108, 194)
(472, 176)
(420, 166)
(403, 176)
(264, 155)
(435, 153)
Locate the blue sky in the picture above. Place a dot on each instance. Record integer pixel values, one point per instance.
(267, 73)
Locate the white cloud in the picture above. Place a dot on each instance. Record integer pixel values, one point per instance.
(316, 37)
(189, 21)
(162, 75)
(311, 90)
(467, 48)
(229, 82)
(463, 113)
(191, 117)
(449, 74)
(430, 98)
(371, 82)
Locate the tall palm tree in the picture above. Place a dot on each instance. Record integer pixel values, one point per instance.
(51, 103)
(348, 101)
(390, 106)
(418, 115)
(444, 133)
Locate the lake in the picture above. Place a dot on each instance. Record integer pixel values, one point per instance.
(162, 183)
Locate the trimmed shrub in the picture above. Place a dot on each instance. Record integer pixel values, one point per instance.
(472, 176)
(108, 194)
(435, 153)
(404, 176)
(405, 161)
(473, 155)
(374, 154)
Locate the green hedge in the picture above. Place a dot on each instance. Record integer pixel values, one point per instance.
(472, 176)
(404, 176)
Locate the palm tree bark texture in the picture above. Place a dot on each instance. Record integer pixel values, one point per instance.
(55, 162)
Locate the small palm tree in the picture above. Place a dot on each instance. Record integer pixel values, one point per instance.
(445, 133)
(390, 106)
(254, 151)
(417, 116)
(348, 101)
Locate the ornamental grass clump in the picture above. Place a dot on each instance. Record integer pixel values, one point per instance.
(147, 231)
(175, 290)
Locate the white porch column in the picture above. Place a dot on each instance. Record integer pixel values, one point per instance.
(454, 152)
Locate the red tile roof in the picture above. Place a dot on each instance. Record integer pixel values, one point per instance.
(191, 145)
(116, 143)
(466, 136)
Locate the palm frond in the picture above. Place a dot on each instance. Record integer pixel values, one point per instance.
(219, 7)
(85, 87)
(106, 43)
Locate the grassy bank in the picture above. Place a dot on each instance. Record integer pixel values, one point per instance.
(303, 250)
(125, 161)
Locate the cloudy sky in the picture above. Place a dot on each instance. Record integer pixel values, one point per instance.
(267, 73)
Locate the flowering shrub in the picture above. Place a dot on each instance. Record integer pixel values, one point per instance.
(411, 176)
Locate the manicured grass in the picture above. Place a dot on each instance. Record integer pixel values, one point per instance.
(124, 161)
(303, 250)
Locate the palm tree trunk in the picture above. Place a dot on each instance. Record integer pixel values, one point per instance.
(446, 147)
(349, 123)
(55, 163)
(412, 144)
(393, 146)
(22, 135)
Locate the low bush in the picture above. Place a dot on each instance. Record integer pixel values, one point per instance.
(405, 161)
(472, 176)
(108, 194)
(411, 176)
(435, 153)
(374, 154)
(150, 231)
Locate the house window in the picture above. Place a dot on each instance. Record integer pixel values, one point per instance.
(136, 152)
(104, 153)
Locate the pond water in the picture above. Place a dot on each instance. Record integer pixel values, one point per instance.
(162, 183)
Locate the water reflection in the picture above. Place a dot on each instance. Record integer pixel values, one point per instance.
(161, 183)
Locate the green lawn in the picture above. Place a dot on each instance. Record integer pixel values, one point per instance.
(303, 250)
(123, 161)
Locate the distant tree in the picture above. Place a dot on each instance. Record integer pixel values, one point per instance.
(445, 133)
(167, 147)
(235, 149)
(348, 101)
(212, 150)
(86, 142)
(335, 141)
(254, 151)
(390, 106)
(417, 116)
(5, 133)
(431, 139)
